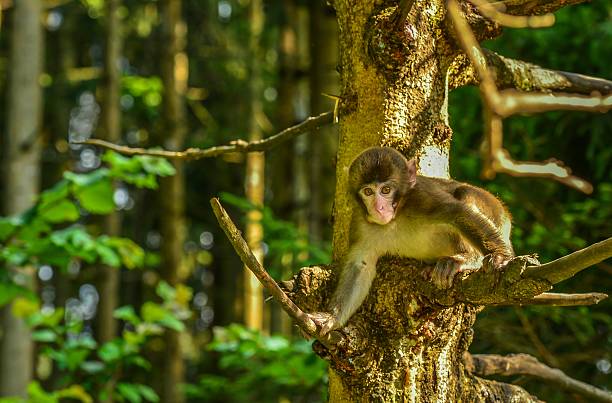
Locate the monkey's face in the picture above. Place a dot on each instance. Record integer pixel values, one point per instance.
(380, 202)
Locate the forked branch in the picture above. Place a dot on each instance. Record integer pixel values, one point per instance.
(524, 364)
(236, 146)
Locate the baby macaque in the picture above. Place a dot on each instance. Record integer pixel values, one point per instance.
(401, 213)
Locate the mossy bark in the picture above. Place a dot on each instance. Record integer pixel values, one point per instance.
(400, 345)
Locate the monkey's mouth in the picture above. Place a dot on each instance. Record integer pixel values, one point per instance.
(381, 218)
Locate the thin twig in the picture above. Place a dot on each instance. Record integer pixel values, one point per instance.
(250, 261)
(524, 364)
(567, 266)
(560, 299)
(236, 146)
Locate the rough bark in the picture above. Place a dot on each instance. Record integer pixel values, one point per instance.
(172, 189)
(400, 345)
(21, 174)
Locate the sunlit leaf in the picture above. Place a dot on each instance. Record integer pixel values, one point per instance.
(75, 392)
(63, 210)
(44, 336)
(129, 392)
(97, 197)
(109, 352)
(10, 291)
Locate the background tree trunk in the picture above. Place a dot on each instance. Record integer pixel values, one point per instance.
(175, 71)
(21, 158)
(323, 34)
(255, 166)
(111, 131)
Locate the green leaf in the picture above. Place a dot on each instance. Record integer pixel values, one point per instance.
(107, 255)
(152, 312)
(63, 210)
(10, 291)
(157, 166)
(75, 392)
(129, 391)
(110, 351)
(127, 314)
(74, 358)
(131, 254)
(148, 393)
(165, 291)
(97, 197)
(7, 227)
(55, 194)
(44, 336)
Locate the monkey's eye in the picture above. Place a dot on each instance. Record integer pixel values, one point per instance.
(368, 192)
(385, 190)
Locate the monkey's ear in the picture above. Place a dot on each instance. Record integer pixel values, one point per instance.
(411, 170)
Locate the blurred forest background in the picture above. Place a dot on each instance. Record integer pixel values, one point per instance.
(116, 268)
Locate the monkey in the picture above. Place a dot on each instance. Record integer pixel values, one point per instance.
(457, 225)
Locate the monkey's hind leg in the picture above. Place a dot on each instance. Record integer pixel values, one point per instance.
(445, 270)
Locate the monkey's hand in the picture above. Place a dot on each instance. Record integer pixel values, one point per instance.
(326, 322)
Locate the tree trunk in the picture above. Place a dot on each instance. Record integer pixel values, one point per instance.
(399, 346)
(172, 189)
(255, 166)
(21, 174)
(110, 131)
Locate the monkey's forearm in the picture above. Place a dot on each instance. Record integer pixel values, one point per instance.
(353, 287)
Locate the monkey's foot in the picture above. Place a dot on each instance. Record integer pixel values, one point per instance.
(495, 261)
(443, 274)
(326, 322)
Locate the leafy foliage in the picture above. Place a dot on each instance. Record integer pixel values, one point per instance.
(88, 365)
(258, 368)
(50, 232)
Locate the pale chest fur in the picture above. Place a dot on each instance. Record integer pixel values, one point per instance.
(411, 237)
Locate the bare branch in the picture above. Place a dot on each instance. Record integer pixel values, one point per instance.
(524, 76)
(501, 162)
(237, 146)
(524, 364)
(250, 261)
(567, 266)
(512, 102)
(560, 299)
(490, 10)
